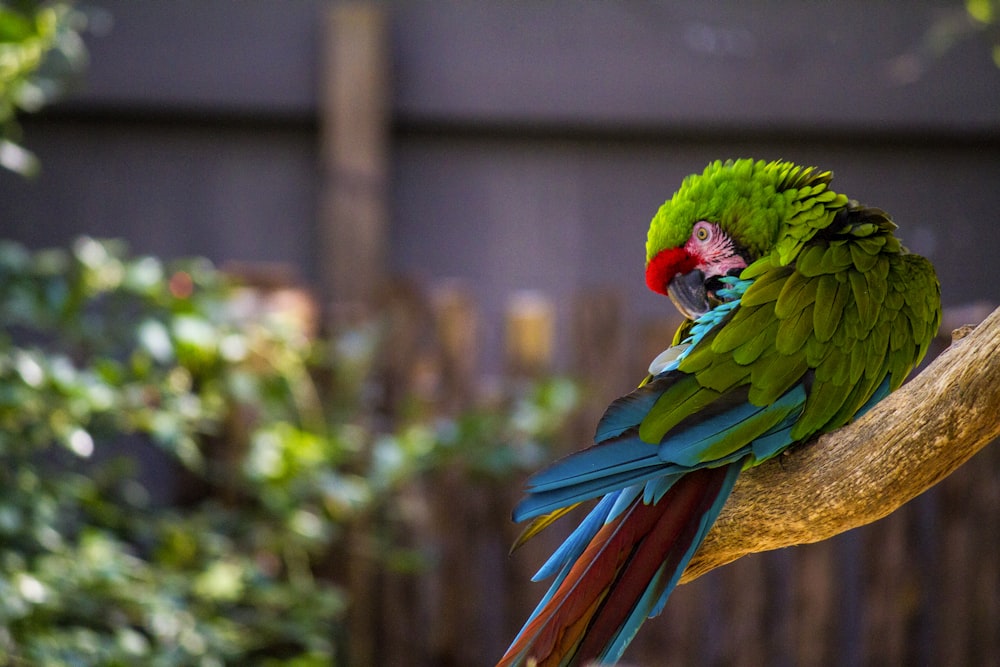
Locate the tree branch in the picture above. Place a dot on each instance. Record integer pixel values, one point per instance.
(906, 444)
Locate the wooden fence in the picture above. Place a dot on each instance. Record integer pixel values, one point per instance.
(917, 588)
(463, 609)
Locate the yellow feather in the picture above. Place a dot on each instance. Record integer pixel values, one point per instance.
(540, 524)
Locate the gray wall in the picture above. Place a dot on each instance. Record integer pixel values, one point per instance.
(531, 142)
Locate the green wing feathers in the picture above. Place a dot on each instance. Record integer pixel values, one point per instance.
(852, 310)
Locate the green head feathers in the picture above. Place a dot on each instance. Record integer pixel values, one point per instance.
(763, 206)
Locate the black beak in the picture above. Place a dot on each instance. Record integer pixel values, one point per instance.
(687, 291)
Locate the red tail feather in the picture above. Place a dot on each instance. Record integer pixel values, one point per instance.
(613, 573)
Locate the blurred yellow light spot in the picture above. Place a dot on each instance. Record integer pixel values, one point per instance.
(980, 10)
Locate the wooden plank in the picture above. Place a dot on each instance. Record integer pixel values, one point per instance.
(599, 334)
(773, 66)
(695, 65)
(354, 154)
(815, 582)
(886, 607)
(456, 325)
(248, 58)
(967, 618)
(530, 334)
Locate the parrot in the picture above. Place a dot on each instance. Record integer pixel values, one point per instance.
(801, 309)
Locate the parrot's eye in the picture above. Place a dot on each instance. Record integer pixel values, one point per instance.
(702, 233)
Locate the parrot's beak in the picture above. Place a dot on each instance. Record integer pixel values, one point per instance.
(687, 291)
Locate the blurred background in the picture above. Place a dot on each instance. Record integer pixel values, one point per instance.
(373, 263)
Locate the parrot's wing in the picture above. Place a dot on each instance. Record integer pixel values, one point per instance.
(803, 349)
(848, 320)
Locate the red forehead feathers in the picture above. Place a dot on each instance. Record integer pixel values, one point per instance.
(667, 264)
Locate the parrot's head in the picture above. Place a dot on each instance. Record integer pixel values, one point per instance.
(721, 221)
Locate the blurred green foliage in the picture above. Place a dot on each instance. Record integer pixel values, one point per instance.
(41, 52)
(120, 375)
(985, 15)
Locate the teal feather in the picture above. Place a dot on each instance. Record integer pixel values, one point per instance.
(613, 457)
(654, 489)
(543, 502)
(694, 446)
(629, 410)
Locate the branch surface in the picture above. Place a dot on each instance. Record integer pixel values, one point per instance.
(860, 473)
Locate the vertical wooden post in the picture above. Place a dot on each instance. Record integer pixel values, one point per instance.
(354, 144)
(456, 323)
(599, 357)
(354, 147)
(529, 334)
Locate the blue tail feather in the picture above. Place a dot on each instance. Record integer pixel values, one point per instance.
(603, 460)
(627, 460)
(544, 502)
(654, 489)
(577, 541)
(625, 498)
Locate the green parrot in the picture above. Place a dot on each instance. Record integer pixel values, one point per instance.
(803, 311)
